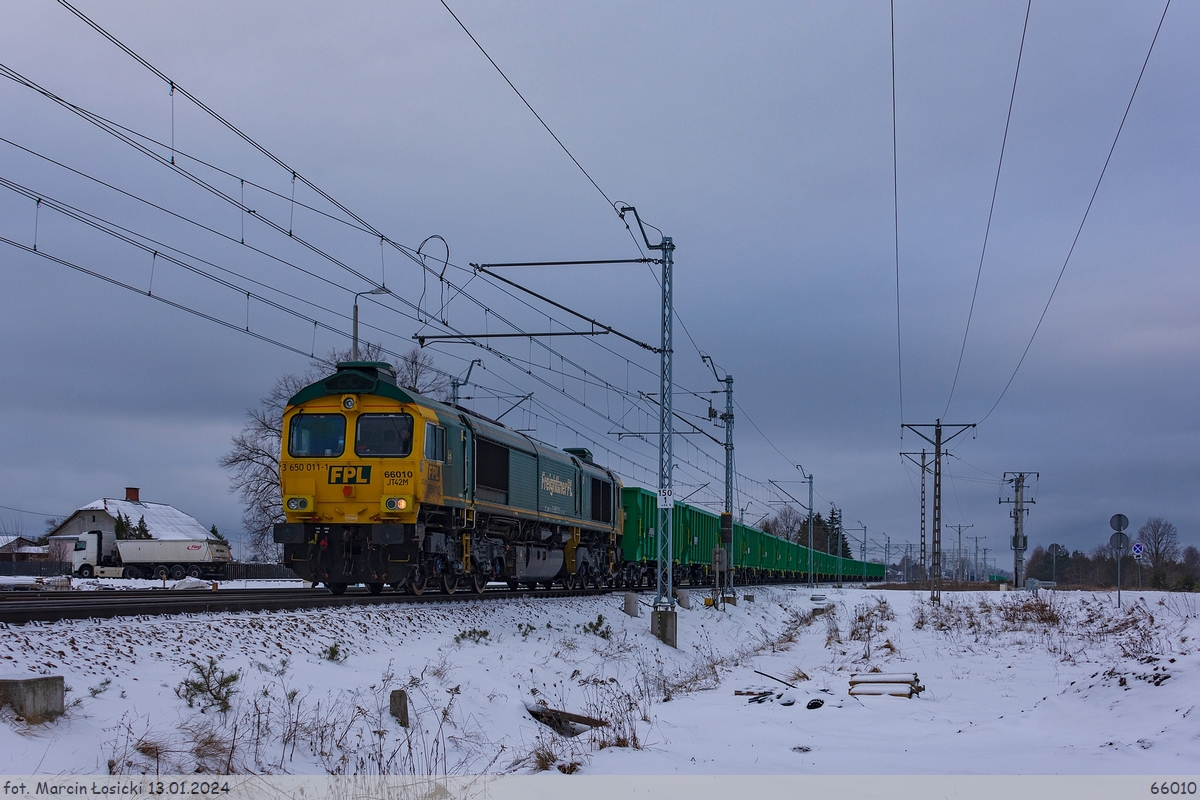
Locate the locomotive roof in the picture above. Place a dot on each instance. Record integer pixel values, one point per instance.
(379, 378)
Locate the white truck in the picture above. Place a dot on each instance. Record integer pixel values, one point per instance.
(100, 554)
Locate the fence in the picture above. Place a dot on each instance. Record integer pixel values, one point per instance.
(236, 571)
(34, 569)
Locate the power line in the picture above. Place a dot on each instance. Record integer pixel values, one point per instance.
(117, 130)
(988, 229)
(1087, 211)
(24, 511)
(896, 220)
(530, 107)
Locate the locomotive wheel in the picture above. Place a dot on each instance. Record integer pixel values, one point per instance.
(513, 586)
(449, 582)
(477, 582)
(417, 584)
(570, 581)
(338, 588)
(375, 588)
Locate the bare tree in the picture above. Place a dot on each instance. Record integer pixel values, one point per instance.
(1161, 542)
(787, 523)
(415, 370)
(253, 459)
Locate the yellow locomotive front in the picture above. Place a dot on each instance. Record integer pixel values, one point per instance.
(359, 457)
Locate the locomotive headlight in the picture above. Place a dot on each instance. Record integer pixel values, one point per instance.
(395, 504)
(298, 503)
(348, 402)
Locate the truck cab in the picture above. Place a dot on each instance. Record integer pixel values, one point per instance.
(95, 551)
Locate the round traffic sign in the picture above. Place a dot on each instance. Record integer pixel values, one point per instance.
(1057, 550)
(1138, 549)
(1119, 522)
(1118, 541)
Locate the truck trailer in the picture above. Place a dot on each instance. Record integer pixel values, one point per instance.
(100, 554)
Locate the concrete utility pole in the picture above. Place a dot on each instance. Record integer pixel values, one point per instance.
(938, 441)
(864, 553)
(720, 589)
(354, 338)
(958, 562)
(975, 561)
(1020, 542)
(924, 465)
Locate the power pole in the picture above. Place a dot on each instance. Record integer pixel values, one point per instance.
(975, 567)
(938, 441)
(720, 590)
(788, 495)
(663, 618)
(924, 465)
(958, 561)
(1020, 542)
(455, 383)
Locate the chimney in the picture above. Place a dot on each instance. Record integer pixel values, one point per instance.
(131, 494)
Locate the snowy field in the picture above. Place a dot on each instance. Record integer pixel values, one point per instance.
(1066, 684)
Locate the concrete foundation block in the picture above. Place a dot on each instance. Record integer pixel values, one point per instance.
(729, 600)
(663, 625)
(399, 706)
(684, 598)
(749, 598)
(35, 698)
(631, 604)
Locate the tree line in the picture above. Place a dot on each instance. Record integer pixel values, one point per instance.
(1164, 564)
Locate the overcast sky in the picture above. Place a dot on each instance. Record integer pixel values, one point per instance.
(758, 136)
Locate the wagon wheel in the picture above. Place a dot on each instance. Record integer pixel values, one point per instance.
(161, 572)
(477, 583)
(417, 584)
(375, 588)
(130, 572)
(193, 571)
(449, 582)
(513, 585)
(337, 588)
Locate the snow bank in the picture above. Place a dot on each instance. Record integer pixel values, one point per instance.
(1065, 684)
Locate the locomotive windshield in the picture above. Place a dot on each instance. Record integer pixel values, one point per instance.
(384, 435)
(317, 435)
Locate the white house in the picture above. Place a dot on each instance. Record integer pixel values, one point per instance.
(163, 521)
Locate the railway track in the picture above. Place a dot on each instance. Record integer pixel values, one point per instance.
(19, 608)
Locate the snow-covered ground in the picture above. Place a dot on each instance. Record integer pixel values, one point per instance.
(1065, 684)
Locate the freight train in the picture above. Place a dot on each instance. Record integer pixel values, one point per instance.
(383, 486)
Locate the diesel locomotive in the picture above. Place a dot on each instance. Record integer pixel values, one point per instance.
(383, 486)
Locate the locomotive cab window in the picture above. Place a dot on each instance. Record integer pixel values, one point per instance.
(384, 435)
(435, 442)
(317, 435)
